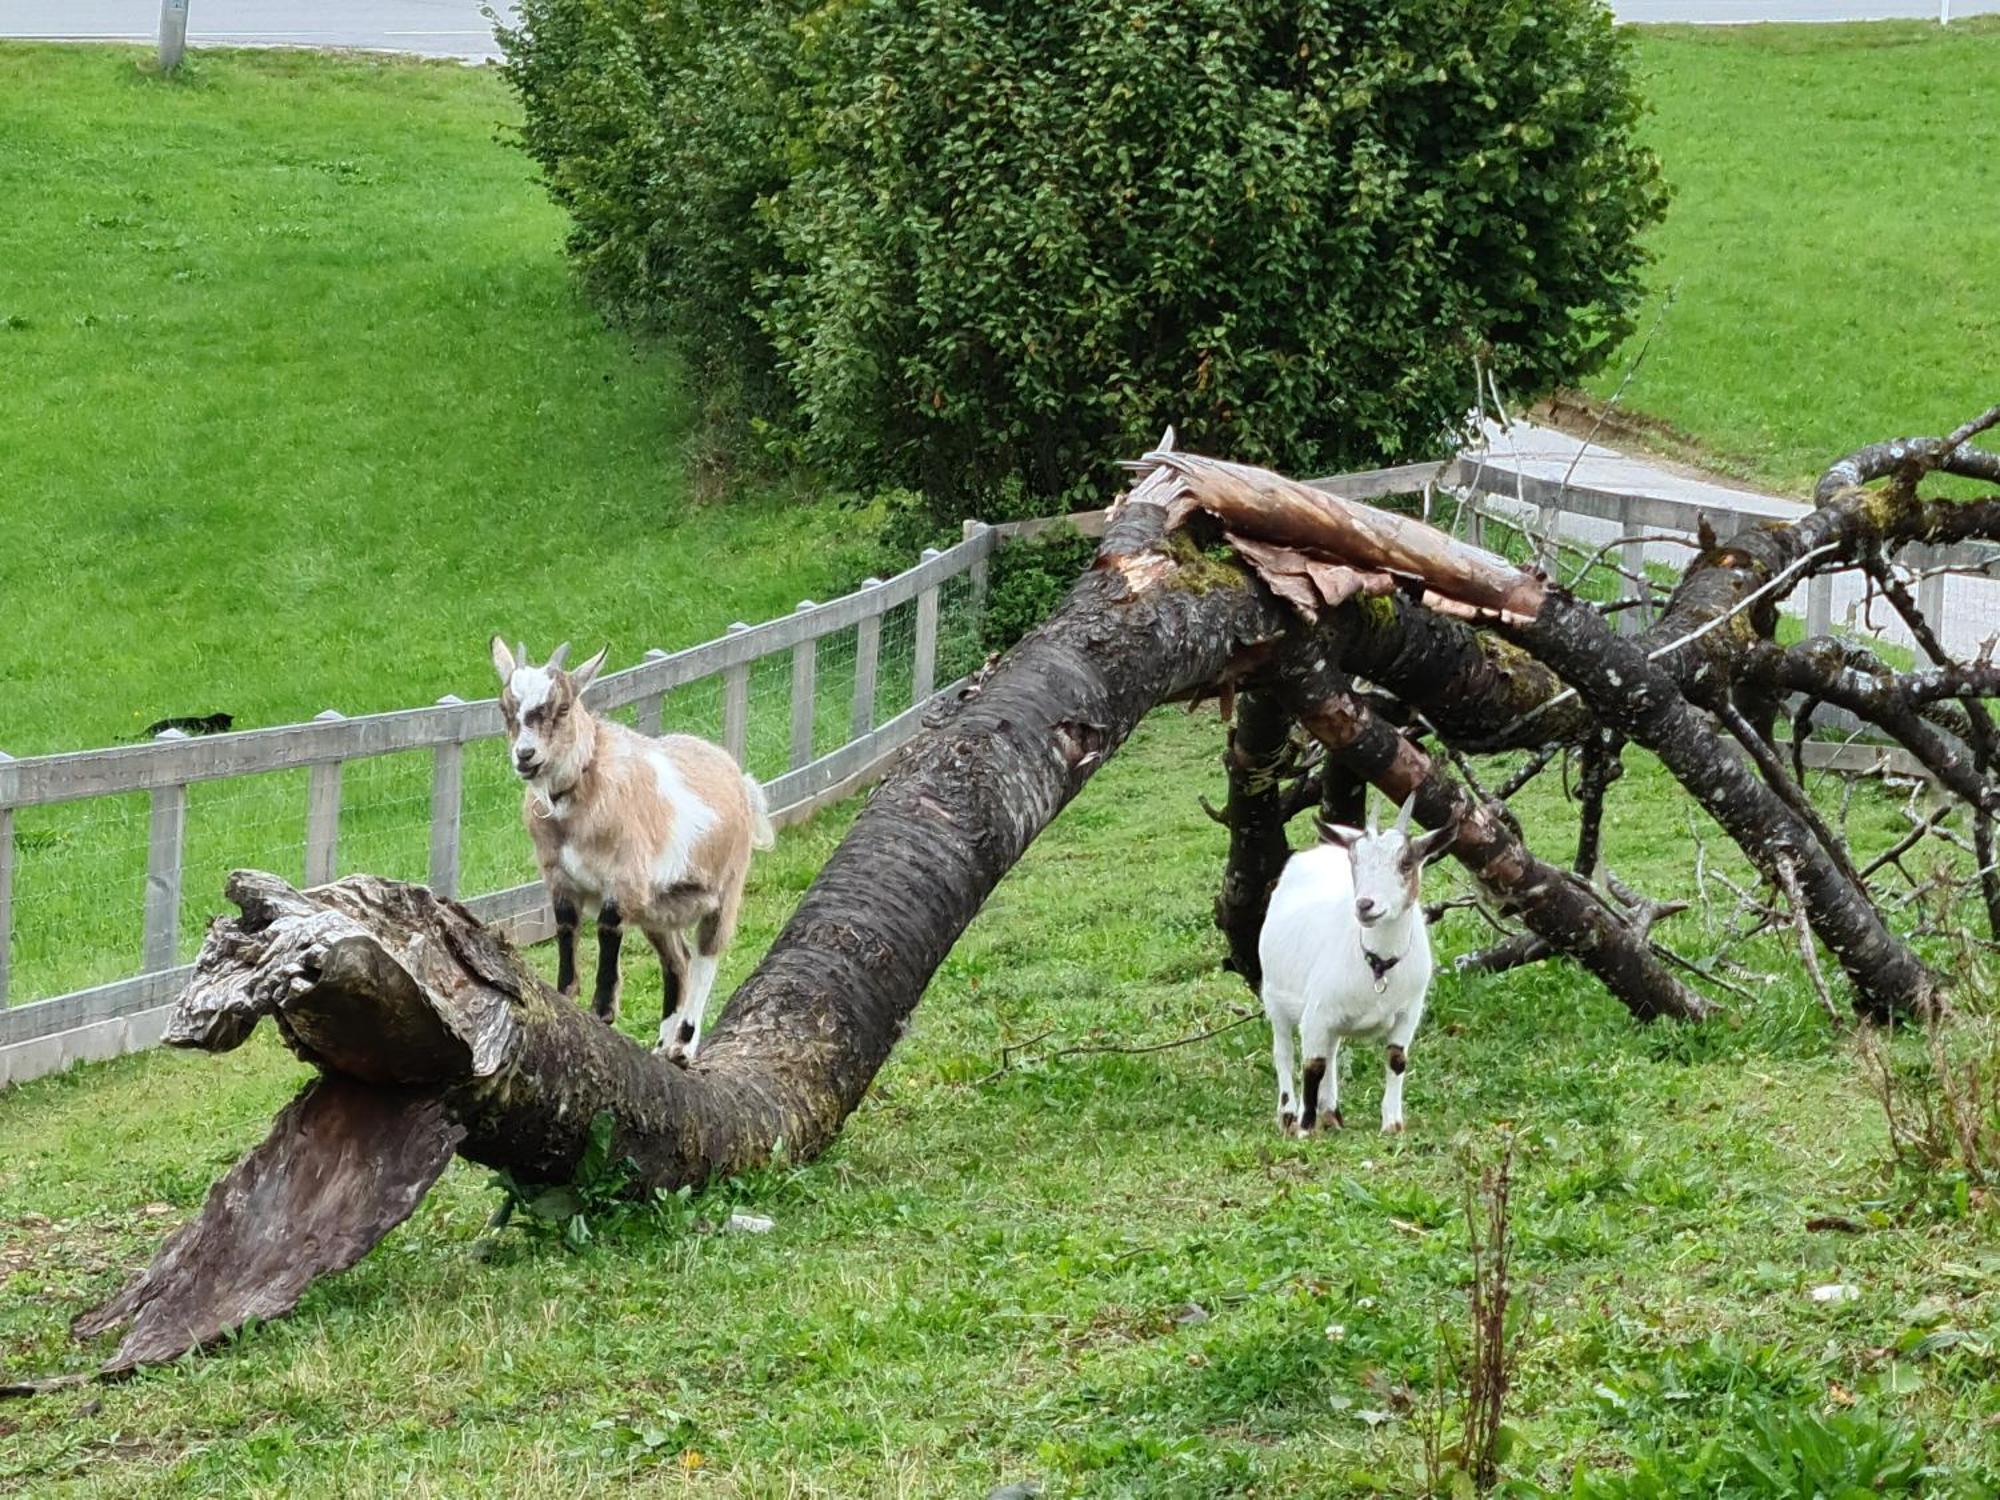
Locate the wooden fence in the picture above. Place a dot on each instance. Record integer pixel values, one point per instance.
(129, 1013)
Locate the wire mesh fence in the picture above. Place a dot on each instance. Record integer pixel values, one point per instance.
(82, 870)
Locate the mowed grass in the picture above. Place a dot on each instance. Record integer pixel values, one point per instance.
(1104, 1272)
(300, 404)
(1835, 221)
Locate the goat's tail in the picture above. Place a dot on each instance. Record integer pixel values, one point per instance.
(762, 835)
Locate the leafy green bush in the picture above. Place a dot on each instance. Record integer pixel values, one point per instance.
(992, 246)
(657, 125)
(1027, 580)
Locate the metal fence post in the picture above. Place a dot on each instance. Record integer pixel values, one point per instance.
(447, 805)
(805, 691)
(323, 814)
(925, 676)
(165, 840)
(867, 652)
(736, 704)
(173, 33)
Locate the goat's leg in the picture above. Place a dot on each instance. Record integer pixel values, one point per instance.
(610, 934)
(674, 979)
(1282, 1062)
(1322, 1081)
(711, 938)
(566, 919)
(709, 943)
(1392, 1079)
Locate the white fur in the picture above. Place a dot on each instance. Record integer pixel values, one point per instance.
(1317, 979)
(692, 818)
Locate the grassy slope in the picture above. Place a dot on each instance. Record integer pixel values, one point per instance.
(300, 405)
(1835, 219)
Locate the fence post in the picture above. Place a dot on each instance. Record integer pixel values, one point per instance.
(6, 893)
(651, 706)
(447, 803)
(1475, 519)
(1819, 605)
(976, 576)
(1930, 591)
(173, 33)
(867, 652)
(164, 842)
(736, 704)
(925, 676)
(1633, 560)
(805, 691)
(323, 814)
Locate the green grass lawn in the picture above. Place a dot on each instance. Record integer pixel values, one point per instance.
(301, 405)
(1835, 222)
(988, 1280)
(312, 308)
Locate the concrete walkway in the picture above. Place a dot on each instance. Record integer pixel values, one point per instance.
(1970, 609)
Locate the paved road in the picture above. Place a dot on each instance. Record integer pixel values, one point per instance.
(434, 28)
(455, 28)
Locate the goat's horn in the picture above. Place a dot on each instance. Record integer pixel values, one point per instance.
(1403, 817)
(558, 656)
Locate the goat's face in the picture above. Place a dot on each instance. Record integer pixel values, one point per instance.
(1388, 866)
(543, 714)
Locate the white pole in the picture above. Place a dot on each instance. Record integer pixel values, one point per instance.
(173, 33)
(1944, 12)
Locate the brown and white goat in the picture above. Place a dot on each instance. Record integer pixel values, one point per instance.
(656, 833)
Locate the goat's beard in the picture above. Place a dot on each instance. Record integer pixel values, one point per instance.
(563, 770)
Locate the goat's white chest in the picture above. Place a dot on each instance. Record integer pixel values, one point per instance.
(587, 879)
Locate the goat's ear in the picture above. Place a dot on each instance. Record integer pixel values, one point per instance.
(503, 660)
(582, 676)
(1428, 846)
(1337, 833)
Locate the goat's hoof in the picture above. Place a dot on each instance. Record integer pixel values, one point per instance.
(1330, 1121)
(1392, 1127)
(1288, 1123)
(570, 991)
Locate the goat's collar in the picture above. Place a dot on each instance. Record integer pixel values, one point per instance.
(1379, 964)
(552, 798)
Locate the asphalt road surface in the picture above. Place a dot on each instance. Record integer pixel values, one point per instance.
(434, 28)
(456, 28)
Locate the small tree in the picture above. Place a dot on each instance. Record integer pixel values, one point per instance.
(991, 245)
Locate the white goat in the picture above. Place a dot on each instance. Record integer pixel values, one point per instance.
(1346, 953)
(655, 832)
